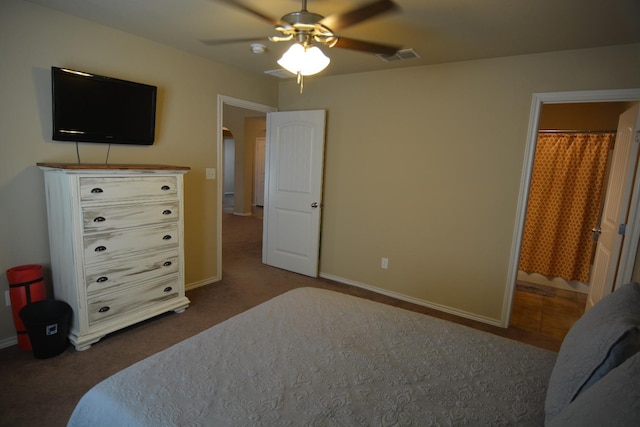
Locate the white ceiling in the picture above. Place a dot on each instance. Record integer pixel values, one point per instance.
(439, 30)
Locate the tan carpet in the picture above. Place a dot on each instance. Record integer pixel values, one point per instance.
(39, 392)
(45, 391)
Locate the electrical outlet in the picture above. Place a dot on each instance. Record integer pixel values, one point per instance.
(384, 263)
(7, 298)
(211, 173)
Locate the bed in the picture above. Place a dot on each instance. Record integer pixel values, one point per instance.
(315, 357)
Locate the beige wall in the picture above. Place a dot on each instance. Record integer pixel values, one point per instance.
(32, 39)
(423, 166)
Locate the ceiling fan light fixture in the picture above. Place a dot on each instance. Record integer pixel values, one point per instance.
(330, 41)
(304, 61)
(281, 38)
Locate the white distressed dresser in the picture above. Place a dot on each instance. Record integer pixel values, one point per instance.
(116, 240)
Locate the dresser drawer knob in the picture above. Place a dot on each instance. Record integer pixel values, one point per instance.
(104, 309)
(101, 249)
(166, 264)
(166, 212)
(165, 188)
(166, 237)
(99, 219)
(168, 289)
(102, 279)
(96, 190)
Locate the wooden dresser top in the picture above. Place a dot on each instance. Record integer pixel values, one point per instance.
(107, 167)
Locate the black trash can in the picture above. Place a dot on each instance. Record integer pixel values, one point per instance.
(47, 324)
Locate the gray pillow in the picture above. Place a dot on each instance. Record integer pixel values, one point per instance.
(602, 339)
(612, 401)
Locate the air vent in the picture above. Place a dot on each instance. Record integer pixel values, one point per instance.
(401, 55)
(280, 73)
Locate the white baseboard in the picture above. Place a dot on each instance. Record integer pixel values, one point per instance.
(200, 283)
(443, 308)
(555, 282)
(8, 342)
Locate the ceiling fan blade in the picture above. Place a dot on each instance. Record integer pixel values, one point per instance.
(219, 42)
(254, 12)
(340, 21)
(363, 46)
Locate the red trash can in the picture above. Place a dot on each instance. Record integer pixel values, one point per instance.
(26, 285)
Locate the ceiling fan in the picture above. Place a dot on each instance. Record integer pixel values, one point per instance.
(305, 28)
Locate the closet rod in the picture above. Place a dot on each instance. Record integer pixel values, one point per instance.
(574, 131)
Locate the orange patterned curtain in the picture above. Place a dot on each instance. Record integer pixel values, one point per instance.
(564, 204)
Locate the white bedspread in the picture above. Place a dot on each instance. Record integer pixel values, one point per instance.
(315, 357)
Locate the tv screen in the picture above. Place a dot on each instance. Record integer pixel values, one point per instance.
(92, 108)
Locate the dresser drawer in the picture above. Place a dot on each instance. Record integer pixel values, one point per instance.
(104, 277)
(117, 304)
(116, 243)
(126, 188)
(106, 218)
(125, 244)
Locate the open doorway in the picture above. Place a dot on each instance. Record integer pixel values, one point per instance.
(573, 154)
(245, 121)
(627, 98)
(572, 161)
(245, 129)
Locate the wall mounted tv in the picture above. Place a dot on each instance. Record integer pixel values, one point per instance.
(92, 108)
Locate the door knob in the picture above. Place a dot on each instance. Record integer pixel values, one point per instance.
(596, 233)
(314, 205)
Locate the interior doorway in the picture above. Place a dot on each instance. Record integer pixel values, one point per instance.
(232, 114)
(539, 101)
(577, 137)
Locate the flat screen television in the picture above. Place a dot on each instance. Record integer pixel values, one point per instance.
(92, 108)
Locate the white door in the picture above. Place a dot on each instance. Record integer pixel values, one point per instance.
(258, 178)
(293, 190)
(616, 207)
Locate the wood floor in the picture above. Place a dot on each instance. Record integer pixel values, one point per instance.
(545, 310)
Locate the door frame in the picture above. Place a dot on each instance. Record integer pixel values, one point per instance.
(538, 99)
(259, 162)
(247, 105)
